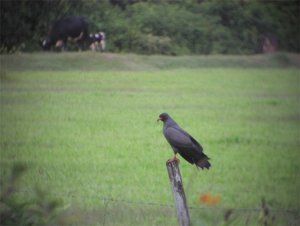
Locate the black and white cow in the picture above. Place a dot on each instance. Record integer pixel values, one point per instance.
(97, 41)
(67, 29)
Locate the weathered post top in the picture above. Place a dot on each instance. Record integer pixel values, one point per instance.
(178, 193)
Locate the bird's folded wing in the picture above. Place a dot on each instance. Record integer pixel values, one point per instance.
(178, 138)
(181, 139)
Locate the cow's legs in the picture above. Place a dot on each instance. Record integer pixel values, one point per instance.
(80, 45)
(64, 46)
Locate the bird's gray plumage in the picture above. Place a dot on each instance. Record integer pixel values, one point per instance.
(183, 143)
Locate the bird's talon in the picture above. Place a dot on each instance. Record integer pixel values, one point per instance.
(174, 159)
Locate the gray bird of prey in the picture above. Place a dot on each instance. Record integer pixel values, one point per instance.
(183, 143)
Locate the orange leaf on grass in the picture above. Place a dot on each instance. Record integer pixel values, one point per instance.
(208, 198)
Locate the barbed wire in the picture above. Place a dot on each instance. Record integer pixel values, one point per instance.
(107, 200)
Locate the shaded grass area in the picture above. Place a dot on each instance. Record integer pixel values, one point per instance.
(89, 136)
(91, 61)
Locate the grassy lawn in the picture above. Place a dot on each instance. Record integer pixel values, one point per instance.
(90, 136)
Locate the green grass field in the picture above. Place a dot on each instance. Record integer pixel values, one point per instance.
(89, 135)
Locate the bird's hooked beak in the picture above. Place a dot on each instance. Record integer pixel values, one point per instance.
(159, 119)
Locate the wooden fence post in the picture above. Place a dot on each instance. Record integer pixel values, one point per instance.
(178, 192)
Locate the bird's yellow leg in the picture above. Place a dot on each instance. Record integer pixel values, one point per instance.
(174, 158)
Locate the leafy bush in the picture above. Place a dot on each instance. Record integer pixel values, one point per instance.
(150, 44)
(37, 210)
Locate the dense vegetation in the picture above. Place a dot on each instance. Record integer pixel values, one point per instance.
(153, 26)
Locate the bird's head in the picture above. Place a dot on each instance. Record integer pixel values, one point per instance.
(163, 117)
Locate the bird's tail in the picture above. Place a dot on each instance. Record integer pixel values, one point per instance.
(203, 162)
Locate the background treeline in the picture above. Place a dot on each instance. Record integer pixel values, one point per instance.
(156, 26)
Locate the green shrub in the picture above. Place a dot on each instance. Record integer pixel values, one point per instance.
(37, 209)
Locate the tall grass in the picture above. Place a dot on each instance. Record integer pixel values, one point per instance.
(92, 136)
